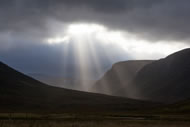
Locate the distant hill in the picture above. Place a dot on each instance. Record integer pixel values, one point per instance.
(165, 80)
(116, 81)
(20, 93)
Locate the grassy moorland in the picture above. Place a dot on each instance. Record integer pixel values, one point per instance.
(93, 120)
(93, 124)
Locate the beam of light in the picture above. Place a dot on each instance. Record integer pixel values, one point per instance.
(97, 64)
(83, 64)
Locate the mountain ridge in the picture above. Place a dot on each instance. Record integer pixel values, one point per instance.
(165, 80)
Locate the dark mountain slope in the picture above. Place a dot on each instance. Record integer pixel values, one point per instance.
(165, 80)
(116, 80)
(20, 93)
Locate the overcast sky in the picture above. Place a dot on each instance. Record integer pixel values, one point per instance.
(85, 37)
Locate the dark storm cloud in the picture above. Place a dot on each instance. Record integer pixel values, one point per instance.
(151, 19)
(19, 13)
(110, 5)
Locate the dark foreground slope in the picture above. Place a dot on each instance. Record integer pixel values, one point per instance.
(116, 81)
(166, 80)
(20, 93)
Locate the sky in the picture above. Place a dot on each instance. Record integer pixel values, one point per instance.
(83, 38)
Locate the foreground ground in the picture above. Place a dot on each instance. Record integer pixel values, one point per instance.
(84, 120)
